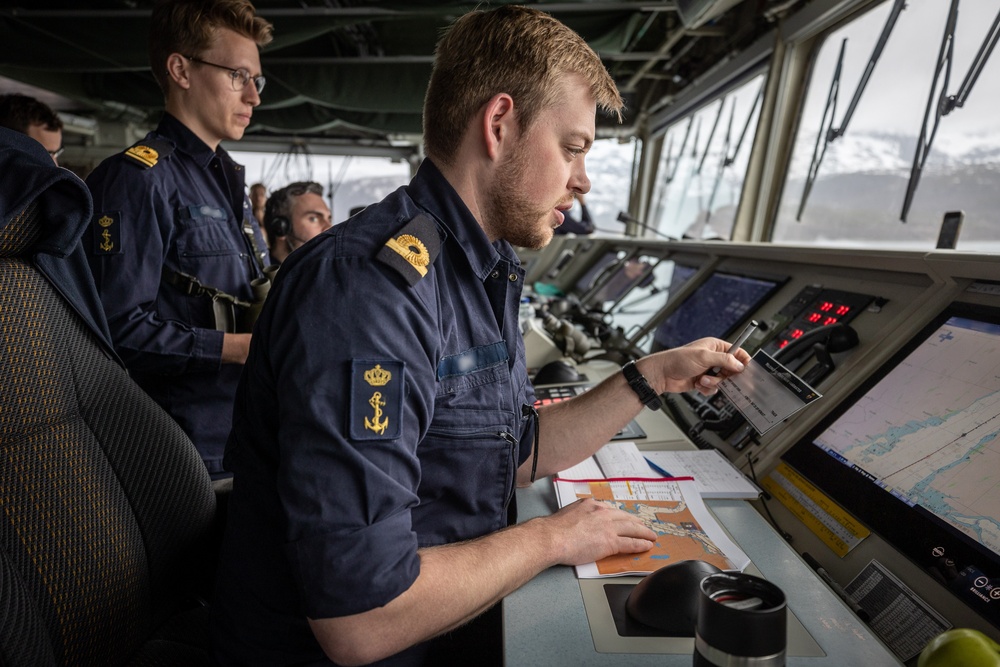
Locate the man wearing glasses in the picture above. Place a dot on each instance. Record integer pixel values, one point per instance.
(34, 118)
(173, 244)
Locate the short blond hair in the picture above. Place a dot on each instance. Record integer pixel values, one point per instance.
(515, 50)
(188, 27)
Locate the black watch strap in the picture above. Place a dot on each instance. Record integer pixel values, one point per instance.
(641, 387)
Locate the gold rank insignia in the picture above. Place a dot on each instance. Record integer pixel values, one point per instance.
(149, 152)
(376, 399)
(144, 155)
(413, 249)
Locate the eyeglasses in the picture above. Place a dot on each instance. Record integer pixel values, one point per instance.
(239, 77)
(57, 152)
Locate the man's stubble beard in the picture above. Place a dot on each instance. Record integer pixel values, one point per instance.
(508, 215)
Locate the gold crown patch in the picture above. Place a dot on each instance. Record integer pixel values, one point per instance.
(105, 221)
(378, 376)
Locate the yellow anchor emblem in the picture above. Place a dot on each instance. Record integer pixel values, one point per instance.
(374, 424)
(107, 245)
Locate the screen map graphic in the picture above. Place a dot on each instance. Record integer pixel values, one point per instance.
(928, 431)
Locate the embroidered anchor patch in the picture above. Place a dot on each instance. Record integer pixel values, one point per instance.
(107, 233)
(376, 399)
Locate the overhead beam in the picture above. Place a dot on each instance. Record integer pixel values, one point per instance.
(362, 12)
(428, 59)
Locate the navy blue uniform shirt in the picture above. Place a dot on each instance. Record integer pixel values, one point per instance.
(182, 206)
(374, 417)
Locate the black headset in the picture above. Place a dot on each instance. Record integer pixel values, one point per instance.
(274, 223)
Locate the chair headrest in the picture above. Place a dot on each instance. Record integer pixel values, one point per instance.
(43, 208)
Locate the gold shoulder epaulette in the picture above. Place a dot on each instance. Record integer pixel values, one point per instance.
(149, 152)
(413, 249)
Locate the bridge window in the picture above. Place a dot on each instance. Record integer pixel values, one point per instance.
(703, 164)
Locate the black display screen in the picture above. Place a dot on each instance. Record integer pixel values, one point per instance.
(715, 308)
(915, 453)
(591, 276)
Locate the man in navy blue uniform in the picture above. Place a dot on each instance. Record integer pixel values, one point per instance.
(383, 420)
(173, 244)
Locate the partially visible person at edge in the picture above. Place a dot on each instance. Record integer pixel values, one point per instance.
(295, 214)
(173, 244)
(570, 225)
(34, 118)
(258, 201)
(384, 416)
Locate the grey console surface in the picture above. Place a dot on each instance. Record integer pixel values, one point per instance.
(546, 621)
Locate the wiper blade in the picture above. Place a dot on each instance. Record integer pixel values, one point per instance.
(827, 133)
(936, 104)
(746, 125)
(946, 103)
(680, 152)
(711, 135)
(724, 162)
(727, 157)
(825, 125)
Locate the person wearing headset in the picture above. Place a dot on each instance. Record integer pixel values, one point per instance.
(295, 214)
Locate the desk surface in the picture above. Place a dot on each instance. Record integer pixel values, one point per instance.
(545, 622)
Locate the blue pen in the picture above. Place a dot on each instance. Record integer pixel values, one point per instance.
(657, 468)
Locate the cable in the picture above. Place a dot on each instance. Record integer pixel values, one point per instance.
(765, 496)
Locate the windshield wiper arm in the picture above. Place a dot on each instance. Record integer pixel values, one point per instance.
(937, 104)
(883, 38)
(680, 153)
(986, 48)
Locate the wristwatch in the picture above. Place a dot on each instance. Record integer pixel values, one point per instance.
(641, 387)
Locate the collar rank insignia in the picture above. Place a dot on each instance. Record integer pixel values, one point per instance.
(413, 249)
(376, 399)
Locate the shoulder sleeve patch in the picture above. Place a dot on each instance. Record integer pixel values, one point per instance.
(376, 399)
(149, 152)
(413, 249)
(107, 233)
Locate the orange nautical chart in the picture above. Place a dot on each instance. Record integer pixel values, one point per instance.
(680, 535)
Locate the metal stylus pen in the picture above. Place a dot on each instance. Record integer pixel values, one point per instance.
(747, 332)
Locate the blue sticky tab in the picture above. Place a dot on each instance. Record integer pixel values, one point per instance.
(201, 211)
(376, 399)
(472, 360)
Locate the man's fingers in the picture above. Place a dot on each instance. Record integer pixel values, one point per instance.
(631, 545)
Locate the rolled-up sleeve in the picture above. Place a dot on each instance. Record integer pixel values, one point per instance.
(348, 473)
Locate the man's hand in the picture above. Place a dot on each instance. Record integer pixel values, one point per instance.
(589, 530)
(235, 348)
(683, 368)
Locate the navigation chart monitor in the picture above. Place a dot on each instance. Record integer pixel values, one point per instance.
(648, 297)
(915, 453)
(608, 261)
(715, 308)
